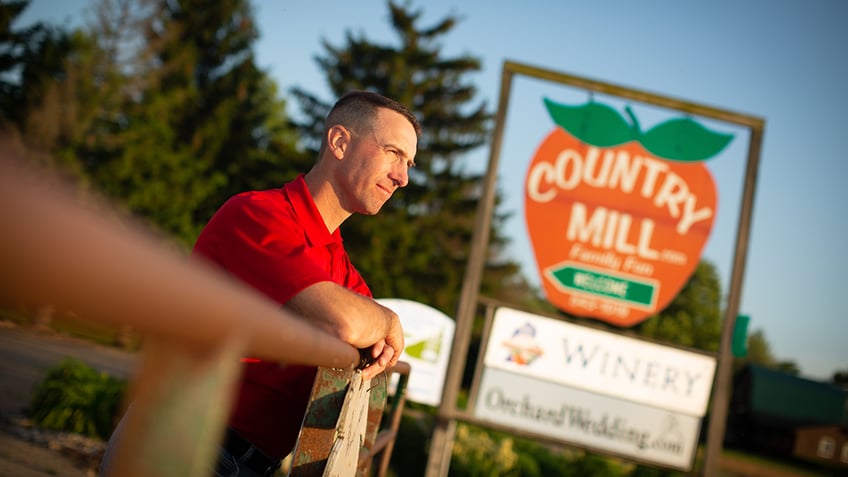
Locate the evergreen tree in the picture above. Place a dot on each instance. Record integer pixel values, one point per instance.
(31, 61)
(201, 122)
(63, 94)
(418, 245)
(158, 104)
(19, 47)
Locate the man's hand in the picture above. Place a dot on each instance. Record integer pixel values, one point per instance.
(386, 352)
(378, 359)
(355, 319)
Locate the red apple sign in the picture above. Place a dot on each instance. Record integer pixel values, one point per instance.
(618, 218)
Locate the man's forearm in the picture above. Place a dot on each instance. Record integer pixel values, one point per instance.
(351, 317)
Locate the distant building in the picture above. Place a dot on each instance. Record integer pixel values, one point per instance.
(786, 415)
(828, 444)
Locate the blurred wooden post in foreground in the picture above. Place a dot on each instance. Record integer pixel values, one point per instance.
(196, 321)
(181, 400)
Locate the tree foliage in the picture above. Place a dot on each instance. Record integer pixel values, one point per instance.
(31, 62)
(759, 350)
(205, 123)
(28, 57)
(840, 378)
(693, 318)
(160, 105)
(760, 353)
(418, 245)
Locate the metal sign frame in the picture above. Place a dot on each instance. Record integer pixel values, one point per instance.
(442, 440)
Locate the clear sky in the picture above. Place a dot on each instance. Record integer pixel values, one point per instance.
(785, 61)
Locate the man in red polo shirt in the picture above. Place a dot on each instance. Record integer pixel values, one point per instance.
(286, 243)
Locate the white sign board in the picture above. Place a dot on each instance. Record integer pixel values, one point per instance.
(595, 421)
(600, 362)
(429, 336)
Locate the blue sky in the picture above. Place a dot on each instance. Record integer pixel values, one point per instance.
(785, 61)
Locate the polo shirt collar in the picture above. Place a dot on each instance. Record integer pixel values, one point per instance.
(307, 214)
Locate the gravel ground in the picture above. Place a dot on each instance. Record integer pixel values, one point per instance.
(29, 452)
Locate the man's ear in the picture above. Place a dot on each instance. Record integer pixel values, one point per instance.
(338, 140)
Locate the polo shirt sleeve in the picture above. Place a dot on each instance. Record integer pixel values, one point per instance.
(260, 242)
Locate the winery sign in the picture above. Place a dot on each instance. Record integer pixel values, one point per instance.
(593, 388)
(618, 217)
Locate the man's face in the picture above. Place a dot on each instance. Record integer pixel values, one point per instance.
(377, 163)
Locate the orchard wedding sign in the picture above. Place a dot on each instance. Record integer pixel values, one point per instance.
(618, 217)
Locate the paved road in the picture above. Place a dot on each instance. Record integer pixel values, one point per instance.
(20, 458)
(25, 357)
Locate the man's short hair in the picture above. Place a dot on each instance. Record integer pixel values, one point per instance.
(357, 110)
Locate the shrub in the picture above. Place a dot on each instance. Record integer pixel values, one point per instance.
(76, 398)
(478, 453)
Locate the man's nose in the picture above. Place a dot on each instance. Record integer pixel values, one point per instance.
(400, 175)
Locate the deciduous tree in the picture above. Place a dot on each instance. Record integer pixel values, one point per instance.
(693, 318)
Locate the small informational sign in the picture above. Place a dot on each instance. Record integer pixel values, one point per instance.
(589, 419)
(429, 336)
(594, 388)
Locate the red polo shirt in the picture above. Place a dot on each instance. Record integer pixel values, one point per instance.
(276, 241)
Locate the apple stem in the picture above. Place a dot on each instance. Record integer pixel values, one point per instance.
(637, 130)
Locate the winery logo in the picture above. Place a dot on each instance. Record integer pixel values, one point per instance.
(522, 345)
